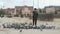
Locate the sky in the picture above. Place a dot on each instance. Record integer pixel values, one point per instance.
(36, 3)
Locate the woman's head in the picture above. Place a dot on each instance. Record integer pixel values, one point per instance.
(35, 9)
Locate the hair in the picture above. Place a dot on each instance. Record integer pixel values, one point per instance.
(35, 9)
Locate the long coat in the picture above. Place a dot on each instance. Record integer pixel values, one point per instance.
(35, 14)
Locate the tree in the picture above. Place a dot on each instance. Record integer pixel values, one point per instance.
(1, 12)
(55, 12)
(40, 11)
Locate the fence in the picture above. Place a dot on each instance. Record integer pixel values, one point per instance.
(48, 17)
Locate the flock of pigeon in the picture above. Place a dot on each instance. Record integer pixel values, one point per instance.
(26, 26)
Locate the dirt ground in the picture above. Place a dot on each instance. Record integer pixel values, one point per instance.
(30, 20)
(56, 22)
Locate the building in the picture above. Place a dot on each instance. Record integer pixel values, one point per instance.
(52, 9)
(25, 10)
(49, 9)
(9, 11)
(58, 12)
(18, 10)
(57, 9)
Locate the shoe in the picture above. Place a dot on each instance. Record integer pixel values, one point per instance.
(33, 25)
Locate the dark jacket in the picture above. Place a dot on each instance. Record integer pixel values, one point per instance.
(35, 14)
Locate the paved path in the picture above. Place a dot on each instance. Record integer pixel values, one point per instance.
(29, 31)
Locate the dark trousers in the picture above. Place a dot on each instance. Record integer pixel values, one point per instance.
(34, 21)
